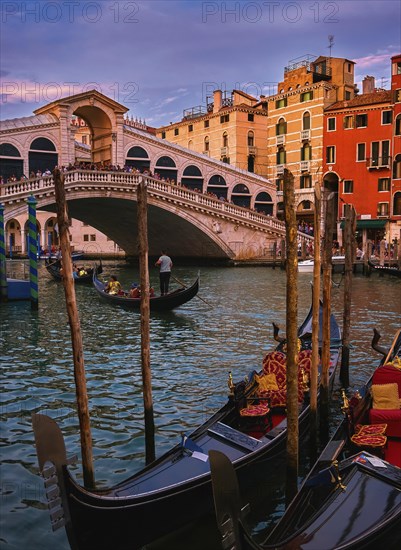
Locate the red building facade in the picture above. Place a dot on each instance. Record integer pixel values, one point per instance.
(357, 160)
(396, 145)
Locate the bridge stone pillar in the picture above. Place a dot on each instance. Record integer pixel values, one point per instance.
(66, 153)
(118, 144)
(23, 240)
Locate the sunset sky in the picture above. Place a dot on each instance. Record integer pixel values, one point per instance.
(160, 57)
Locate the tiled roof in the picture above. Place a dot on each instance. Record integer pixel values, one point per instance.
(373, 98)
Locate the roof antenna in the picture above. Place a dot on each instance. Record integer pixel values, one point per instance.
(331, 43)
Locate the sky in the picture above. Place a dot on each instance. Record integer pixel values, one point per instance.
(159, 57)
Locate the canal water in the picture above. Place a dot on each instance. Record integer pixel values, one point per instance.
(192, 351)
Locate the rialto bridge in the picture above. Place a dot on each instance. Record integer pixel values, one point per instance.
(197, 206)
(190, 224)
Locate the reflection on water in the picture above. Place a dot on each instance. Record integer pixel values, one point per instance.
(192, 350)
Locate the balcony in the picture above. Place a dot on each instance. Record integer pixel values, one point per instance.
(280, 169)
(305, 135)
(378, 162)
(280, 140)
(224, 152)
(304, 165)
(252, 150)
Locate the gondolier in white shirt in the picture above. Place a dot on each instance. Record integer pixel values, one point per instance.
(165, 264)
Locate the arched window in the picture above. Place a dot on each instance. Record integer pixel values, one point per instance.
(217, 185)
(190, 144)
(264, 203)
(138, 158)
(42, 156)
(397, 125)
(251, 139)
(281, 127)
(397, 204)
(306, 121)
(192, 178)
(241, 196)
(225, 139)
(11, 163)
(165, 168)
(206, 144)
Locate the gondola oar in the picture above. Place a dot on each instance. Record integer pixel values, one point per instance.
(185, 286)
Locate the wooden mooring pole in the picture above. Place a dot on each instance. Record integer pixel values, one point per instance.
(76, 336)
(3, 265)
(150, 453)
(350, 249)
(327, 272)
(292, 336)
(315, 324)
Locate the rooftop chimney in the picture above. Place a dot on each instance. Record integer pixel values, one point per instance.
(368, 85)
(217, 100)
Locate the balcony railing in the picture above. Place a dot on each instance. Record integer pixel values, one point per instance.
(280, 169)
(252, 150)
(280, 140)
(378, 162)
(305, 135)
(224, 152)
(304, 165)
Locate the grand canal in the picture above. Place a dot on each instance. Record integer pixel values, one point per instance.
(192, 350)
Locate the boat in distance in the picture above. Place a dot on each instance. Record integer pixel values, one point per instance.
(385, 269)
(351, 499)
(82, 275)
(176, 488)
(167, 302)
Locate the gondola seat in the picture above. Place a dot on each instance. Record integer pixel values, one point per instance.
(386, 384)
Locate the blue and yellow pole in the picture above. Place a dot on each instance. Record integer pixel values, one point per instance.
(3, 269)
(33, 251)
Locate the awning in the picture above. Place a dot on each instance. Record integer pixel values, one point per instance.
(367, 224)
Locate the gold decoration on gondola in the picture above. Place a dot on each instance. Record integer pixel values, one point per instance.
(345, 405)
(340, 484)
(230, 383)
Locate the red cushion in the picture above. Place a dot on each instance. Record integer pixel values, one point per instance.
(368, 440)
(255, 410)
(387, 416)
(388, 374)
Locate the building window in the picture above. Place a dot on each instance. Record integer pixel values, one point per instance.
(397, 97)
(206, 124)
(348, 186)
(387, 117)
(280, 184)
(251, 139)
(176, 131)
(384, 184)
(163, 135)
(93, 237)
(306, 121)
(306, 152)
(280, 103)
(224, 118)
(281, 127)
(331, 124)
(383, 209)
(280, 156)
(84, 140)
(347, 95)
(86, 238)
(306, 96)
(206, 144)
(349, 67)
(250, 117)
(396, 67)
(361, 152)
(380, 153)
(348, 122)
(330, 154)
(361, 121)
(191, 128)
(397, 167)
(306, 182)
(225, 139)
(397, 129)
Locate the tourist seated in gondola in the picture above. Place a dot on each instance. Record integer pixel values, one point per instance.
(82, 271)
(135, 291)
(113, 286)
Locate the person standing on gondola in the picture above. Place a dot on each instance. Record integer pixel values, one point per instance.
(165, 264)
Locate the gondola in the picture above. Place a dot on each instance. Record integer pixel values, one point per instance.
(167, 302)
(351, 499)
(387, 270)
(83, 276)
(175, 489)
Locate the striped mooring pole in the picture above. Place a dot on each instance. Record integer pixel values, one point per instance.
(33, 251)
(3, 267)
